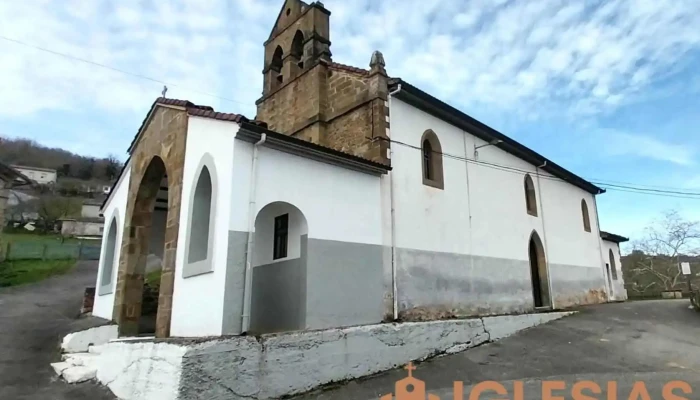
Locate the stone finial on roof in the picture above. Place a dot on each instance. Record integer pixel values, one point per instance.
(377, 64)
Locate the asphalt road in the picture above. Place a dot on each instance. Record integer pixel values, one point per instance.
(33, 319)
(650, 341)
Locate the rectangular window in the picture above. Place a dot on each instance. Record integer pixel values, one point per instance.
(281, 236)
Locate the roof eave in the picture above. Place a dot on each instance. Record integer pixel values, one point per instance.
(250, 132)
(446, 112)
(611, 237)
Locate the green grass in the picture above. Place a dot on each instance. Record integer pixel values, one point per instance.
(19, 272)
(153, 278)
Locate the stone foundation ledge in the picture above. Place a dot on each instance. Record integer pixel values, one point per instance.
(271, 366)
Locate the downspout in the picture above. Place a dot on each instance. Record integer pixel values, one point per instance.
(469, 201)
(394, 287)
(544, 236)
(602, 257)
(248, 275)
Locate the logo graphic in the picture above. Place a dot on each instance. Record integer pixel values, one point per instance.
(409, 388)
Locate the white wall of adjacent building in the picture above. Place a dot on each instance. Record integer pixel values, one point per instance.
(198, 300)
(338, 204)
(114, 210)
(42, 176)
(613, 249)
(481, 210)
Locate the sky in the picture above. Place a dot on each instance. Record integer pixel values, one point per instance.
(607, 89)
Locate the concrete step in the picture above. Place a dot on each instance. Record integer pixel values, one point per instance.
(79, 374)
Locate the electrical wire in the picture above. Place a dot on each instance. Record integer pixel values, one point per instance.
(507, 168)
(608, 185)
(135, 75)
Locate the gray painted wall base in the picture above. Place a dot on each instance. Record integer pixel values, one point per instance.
(435, 285)
(272, 366)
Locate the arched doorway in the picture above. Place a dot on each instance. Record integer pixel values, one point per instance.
(141, 309)
(538, 272)
(278, 298)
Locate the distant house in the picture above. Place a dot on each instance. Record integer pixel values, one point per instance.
(83, 226)
(91, 208)
(88, 224)
(613, 264)
(42, 176)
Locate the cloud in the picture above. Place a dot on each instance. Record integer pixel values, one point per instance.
(191, 44)
(543, 57)
(526, 57)
(620, 143)
(692, 183)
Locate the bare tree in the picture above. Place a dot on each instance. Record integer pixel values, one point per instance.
(53, 208)
(111, 167)
(656, 257)
(23, 209)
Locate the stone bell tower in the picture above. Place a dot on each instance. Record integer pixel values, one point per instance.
(307, 95)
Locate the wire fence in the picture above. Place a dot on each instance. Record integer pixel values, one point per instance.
(52, 251)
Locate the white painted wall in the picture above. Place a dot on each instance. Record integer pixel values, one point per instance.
(338, 203)
(437, 220)
(40, 175)
(90, 211)
(619, 291)
(116, 206)
(198, 300)
(265, 232)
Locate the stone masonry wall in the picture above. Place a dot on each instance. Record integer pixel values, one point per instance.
(336, 108)
(164, 136)
(296, 104)
(345, 89)
(309, 97)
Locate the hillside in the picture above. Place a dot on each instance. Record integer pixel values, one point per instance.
(69, 165)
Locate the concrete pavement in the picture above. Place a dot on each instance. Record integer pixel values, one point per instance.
(33, 319)
(651, 341)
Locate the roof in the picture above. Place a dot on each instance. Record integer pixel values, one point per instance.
(92, 202)
(252, 132)
(14, 177)
(611, 237)
(93, 220)
(348, 68)
(252, 126)
(191, 108)
(446, 112)
(34, 168)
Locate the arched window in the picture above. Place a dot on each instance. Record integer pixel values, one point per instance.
(200, 220)
(432, 160)
(584, 215)
(276, 63)
(108, 261)
(297, 50)
(611, 256)
(428, 172)
(530, 196)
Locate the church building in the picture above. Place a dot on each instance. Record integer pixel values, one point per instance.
(351, 198)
